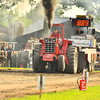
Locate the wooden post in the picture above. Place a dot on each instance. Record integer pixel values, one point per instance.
(40, 86)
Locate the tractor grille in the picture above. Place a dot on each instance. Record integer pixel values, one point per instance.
(49, 47)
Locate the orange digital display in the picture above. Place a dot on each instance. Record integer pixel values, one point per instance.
(80, 22)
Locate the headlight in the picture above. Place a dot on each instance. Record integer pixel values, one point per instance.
(54, 40)
(46, 40)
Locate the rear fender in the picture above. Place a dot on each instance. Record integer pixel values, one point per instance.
(43, 47)
(63, 50)
(64, 47)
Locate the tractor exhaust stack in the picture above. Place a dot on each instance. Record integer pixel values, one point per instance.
(49, 32)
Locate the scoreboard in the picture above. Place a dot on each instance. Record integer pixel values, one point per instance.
(81, 22)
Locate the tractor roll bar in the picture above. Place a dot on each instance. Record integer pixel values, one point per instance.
(62, 29)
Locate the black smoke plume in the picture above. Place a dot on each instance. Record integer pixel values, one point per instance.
(49, 7)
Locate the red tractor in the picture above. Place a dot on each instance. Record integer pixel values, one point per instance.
(60, 54)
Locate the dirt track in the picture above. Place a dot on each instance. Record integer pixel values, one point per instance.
(22, 84)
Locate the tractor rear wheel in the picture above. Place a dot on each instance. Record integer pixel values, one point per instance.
(61, 63)
(38, 66)
(42, 67)
(18, 59)
(23, 64)
(14, 60)
(72, 57)
(38, 46)
(24, 57)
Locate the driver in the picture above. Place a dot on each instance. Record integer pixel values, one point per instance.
(79, 31)
(55, 34)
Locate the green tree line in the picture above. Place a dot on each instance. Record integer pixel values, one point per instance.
(8, 15)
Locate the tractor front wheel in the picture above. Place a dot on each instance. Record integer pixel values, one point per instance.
(61, 63)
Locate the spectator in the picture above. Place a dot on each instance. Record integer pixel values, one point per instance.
(9, 55)
(3, 48)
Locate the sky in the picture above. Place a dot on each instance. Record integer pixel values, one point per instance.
(24, 6)
(74, 11)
